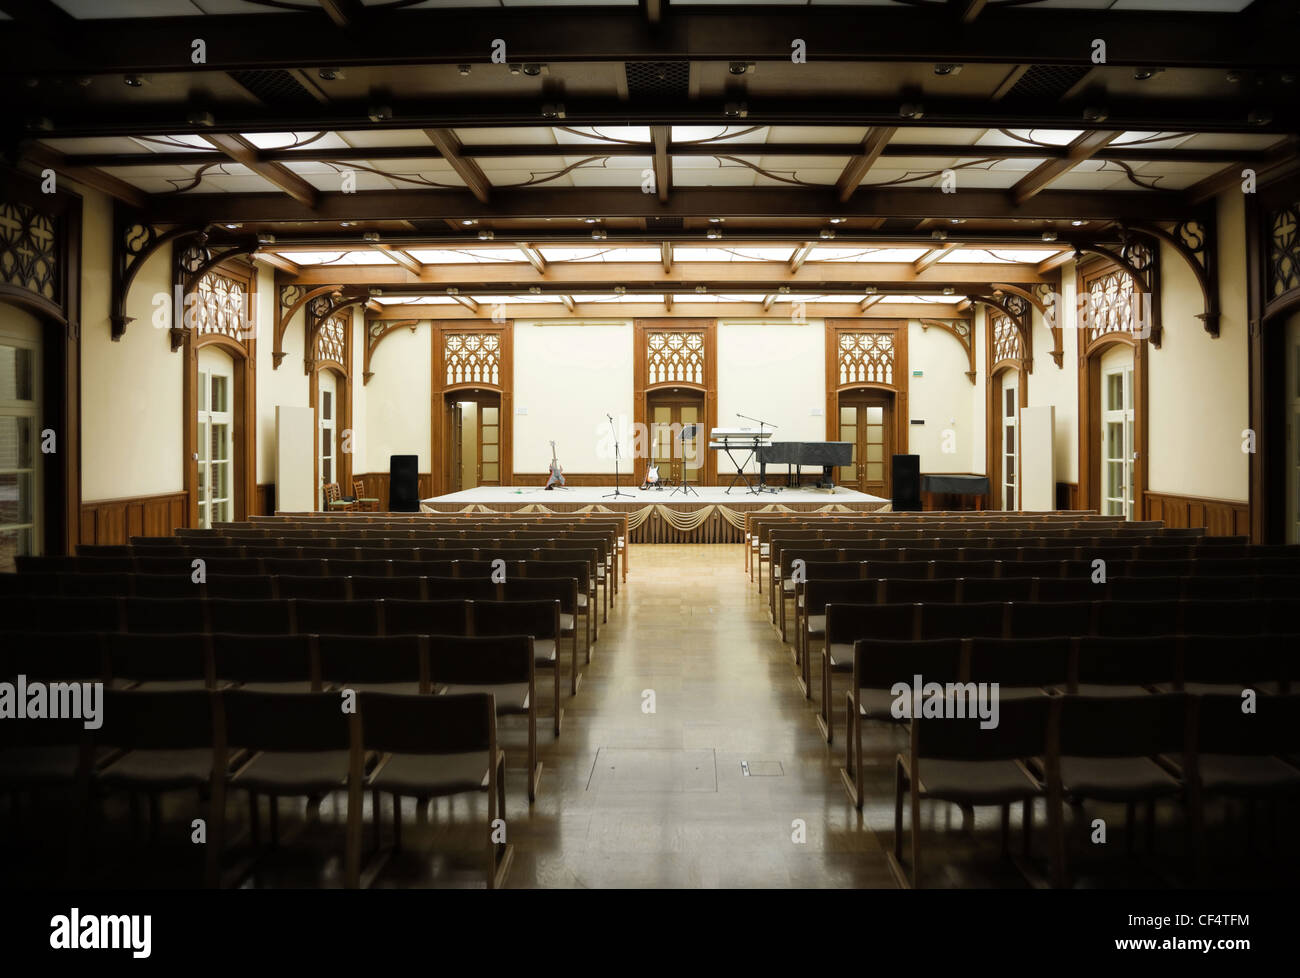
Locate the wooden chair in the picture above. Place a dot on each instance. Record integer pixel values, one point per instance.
(960, 761)
(334, 501)
(159, 663)
(392, 664)
(266, 663)
(539, 619)
(433, 747)
(363, 502)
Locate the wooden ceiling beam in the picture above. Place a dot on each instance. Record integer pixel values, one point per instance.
(247, 154)
(49, 159)
(448, 145)
(868, 152)
(1054, 262)
(933, 255)
(344, 13)
(534, 257)
(277, 261)
(666, 253)
(467, 302)
(569, 304)
(869, 301)
(1081, 148)
(801, 255)
(663, 166)
(401, 257)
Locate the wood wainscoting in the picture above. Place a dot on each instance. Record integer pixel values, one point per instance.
(263, 500)
(376, 485)
(1067, 495)
(1220, 517)
(115, 521)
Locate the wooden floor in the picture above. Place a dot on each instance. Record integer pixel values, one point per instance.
(631, 797)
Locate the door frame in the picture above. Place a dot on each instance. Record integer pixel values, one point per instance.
(478, 396)
(852, 394)
(994, 426)
(680, 394)
(898, 329)
(439, 425)
(642, 388)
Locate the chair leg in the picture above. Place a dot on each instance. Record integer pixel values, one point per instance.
(1027, 826)
(900, 782)
(377, 819)
(397, 822)
(274, 802)
(254, 820)
(916, 833)
(1006, 831)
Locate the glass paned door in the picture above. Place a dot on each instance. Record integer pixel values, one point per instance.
(1117, 442)
(867, 424)
(489, 445)
(215, 438)
(676, 457)
(19, 432)
(327, 465)
(1010, 445)
(1293, 430)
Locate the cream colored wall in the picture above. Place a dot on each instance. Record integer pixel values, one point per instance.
(568, 375)
(1198, 385)
(131, 390)
(360, 395)
(1059, 386)
(973, 433)
(940, 397)
(775, 372)
(287, 386)
(397, 400)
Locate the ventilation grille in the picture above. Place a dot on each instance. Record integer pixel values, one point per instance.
(274, 87)
(658, 78)
(1047, 81)
(663, 223)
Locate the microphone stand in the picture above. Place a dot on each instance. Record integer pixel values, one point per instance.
(616, 493)
(762, 466)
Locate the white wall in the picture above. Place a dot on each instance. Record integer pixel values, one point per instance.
(1059, 386)
(131, 390)
(973, 433)
(941, 398)
(397, 401)
(568, 376)
(1197, 384)
(287, 386)
(360, 396)
(776, 372)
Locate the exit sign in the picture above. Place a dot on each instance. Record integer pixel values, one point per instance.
(918, 373)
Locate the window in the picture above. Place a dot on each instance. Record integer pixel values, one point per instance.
(1293, 430)
(328, 463)
(1117, 441)
(1010, 411)
(19, 434)
(215, 438)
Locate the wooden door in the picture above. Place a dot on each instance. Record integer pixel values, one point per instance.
(867, 421)
(677, 456)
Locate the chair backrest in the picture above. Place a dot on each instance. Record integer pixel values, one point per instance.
(880, 664)
(540, 619)
(986, 729)
(331, 490)
(1119, 726)
(338, 617)
(372, 659)
(178, 720)
(1019, 662)
(482, 660)
(458, 724)
(264, 658)
(426, 617)
(51, 657)
(298, 722)
(1225, 726)
(55, 614)
(145, 658)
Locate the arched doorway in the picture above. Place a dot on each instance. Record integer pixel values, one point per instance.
(473, 442)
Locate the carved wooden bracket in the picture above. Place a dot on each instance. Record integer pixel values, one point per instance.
(963, 330)
(134, 243)
(377, 330)
(1196, 242)
(1136, 259)
(1043, 296)
(1018, 310)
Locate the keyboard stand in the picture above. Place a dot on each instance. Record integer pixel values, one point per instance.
(740, 469)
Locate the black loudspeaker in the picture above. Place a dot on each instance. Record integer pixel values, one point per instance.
(907, 483)
(404, 483)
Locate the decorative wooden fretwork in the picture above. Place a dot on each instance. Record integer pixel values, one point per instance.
(331, 340)
(472, 358)
(1047, 294)
(1007, 341)
(866, 358)
(1193, 240)
(221, 306)
(1283, 267)
(1112, 305)
(29, 256)
(674, 357)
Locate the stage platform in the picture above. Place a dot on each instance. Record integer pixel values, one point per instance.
(659, 515)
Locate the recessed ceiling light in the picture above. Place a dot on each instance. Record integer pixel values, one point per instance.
(464, 69)
(911, 110)
(838, 220)
(620, 290)
(266, 239)
(133, 81)
(233, 227)
(1145, 74)
(947, 69)
(716, 220)
(1260, 117)
(956, 220)
(468, 222)
(591, 220)
(452, 290)
(1096, 113)
(783, 289)
(330, 74)
(1077, 224)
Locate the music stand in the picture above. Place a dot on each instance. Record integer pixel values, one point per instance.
(617, 492)
(688, 434)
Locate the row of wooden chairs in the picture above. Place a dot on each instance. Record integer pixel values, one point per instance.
(283, 745)
(406, 664)
(358, 618)
(1068, 749)
(907, 628)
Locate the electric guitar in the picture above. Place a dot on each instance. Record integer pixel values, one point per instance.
(557, 473)
(651, 476)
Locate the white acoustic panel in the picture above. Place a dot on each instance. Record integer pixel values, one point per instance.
(1037, 458)
(295, 477)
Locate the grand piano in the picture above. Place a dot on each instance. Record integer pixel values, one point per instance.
(795, 454)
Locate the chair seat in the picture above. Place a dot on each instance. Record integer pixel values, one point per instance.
(1231, 774)
(1230, 689)
(582, 601)
(765, 548)
(32, 765)
(544, 650)
(841, 656)
(169, 685)
(425, 775)
(877, 704)
(510, 697)
(568, 622)
(787, 586)
(295, 686)
(294, 772)
(408, 688)
(160, 769)
(977, 782)
(1105, 689)
(1116, 778)
(817, 625)
(1020, 692)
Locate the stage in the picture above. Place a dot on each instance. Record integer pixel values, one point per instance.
(708, 515)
